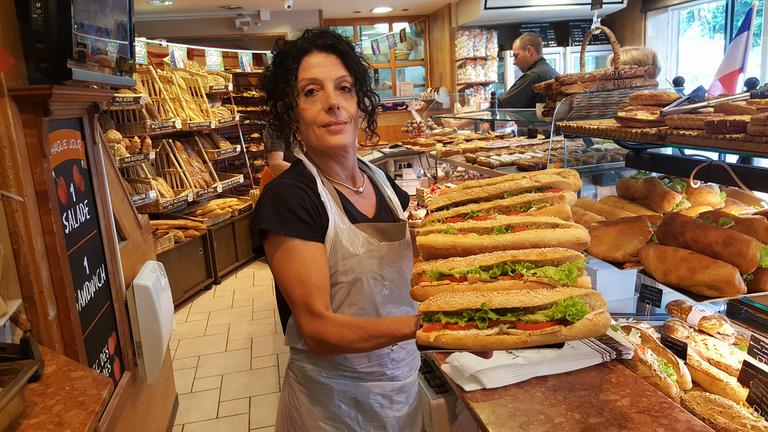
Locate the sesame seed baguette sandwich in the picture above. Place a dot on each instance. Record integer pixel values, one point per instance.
(565, 173)
(721, 414)
(534, 184)
(533, 204)
(491, 320)
(499, 233)
(501, 271)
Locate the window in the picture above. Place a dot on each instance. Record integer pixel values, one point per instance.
(690, 39)
(398, 71)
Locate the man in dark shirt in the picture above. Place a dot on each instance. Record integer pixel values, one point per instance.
(527, 51)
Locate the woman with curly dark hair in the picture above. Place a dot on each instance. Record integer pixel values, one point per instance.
(338, 247)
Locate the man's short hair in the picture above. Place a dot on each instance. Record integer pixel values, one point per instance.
(530, 40)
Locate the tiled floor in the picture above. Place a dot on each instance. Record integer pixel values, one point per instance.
(229, 357)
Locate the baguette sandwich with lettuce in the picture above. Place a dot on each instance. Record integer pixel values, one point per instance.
(500, 233)
(490, 320)
(501, 187)
(543, 268)
(555, 204)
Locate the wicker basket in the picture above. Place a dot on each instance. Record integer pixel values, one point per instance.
(596, 105)
(190, 87)
(198, 150)
(131, 122)
(139, 178)
(148, 82)
(164, 243)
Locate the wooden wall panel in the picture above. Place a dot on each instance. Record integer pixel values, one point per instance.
(442, 68)
(628, 24)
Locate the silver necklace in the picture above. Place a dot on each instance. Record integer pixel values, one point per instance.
(357, 190)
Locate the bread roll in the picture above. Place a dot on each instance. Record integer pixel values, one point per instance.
(691, 271)
(608, 212)
(753, 226)
(650, 192)
(695, 211)
(743, 196)
(585, 218)
(704, 195)
(714, 324)
(758, 281)
(626, 205)
(736, 207)
(723, 244)
(619, 240)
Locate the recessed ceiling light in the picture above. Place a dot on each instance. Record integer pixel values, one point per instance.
(231, 7)
(160, 2)
(357, 11)
(404, 10)
(381, 10)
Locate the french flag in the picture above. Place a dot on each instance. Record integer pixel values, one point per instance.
(736, 56)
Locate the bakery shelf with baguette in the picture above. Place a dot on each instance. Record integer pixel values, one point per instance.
(125, 99)
(166, 177)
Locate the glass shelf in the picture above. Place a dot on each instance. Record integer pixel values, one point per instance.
(524, 117)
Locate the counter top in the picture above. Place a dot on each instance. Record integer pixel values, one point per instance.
(606, 397)
(69, 397)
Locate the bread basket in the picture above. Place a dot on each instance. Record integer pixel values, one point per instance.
(601, 98)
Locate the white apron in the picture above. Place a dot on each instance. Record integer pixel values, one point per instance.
(370, 267)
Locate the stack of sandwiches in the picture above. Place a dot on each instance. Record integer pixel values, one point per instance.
(503, 266)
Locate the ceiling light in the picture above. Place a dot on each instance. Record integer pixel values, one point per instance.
(231, 7)
(160, 2)
(404, 10)
(381, 10)
(357, 11)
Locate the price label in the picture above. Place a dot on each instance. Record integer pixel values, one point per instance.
(758, 349)
(750, 372)
(190, 197)
(757, 397)
(678, 347)
(650, 295)
(219, 188)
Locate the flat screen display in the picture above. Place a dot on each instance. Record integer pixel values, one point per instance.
(101, 32)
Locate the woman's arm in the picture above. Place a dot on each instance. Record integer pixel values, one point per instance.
(300, 268)
(276, 163)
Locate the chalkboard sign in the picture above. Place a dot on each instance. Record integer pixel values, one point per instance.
(650, 295)
(578, 29)
(79, 215)
(545, 31)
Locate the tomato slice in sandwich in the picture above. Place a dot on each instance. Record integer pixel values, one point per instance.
(454, 220)
(432, 327)
(481, 218)
(423, 279)
(513, 213)
(519, 229)
(455, 278)
(553, 190)
(460, 327)
(535, 326)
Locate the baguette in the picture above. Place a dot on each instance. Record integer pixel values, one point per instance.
(722, 414)
(608, 212)
(691, 271)
(500, 271)
(506, 334)
(538, 204)
(538, 184)
(568, 174)
(619, 240)
(176, 223)
(512, 232)
(626, 205)
(723, 244)
(585, 218)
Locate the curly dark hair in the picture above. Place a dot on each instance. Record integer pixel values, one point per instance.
(280, 78)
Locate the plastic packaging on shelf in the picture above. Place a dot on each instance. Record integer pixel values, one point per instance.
(491, 43)
(478, 42)
(464, 45)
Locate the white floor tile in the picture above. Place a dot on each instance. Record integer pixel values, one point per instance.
(201, 346)
(209, 383)
(177, 428)
(234, 407)
(266, 429)
(264, 410)
(247, 329)
(249, 383)
(254, 293)
(185, 363)
(210, 305)
(216, 329)
(264, 361)
(238, 344)
(264, 304)
(231, 315)
(237, 423)
(224, 363)
(264, 314)
(246, 302)
(203, 316)
(183, 379)
(266, 345)
(195, 407)
(188, 330)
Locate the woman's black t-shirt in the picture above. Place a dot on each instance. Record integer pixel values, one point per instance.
(291, 205)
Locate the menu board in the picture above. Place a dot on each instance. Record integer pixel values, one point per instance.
(577, 30)
(545, 31)
(85, 246)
